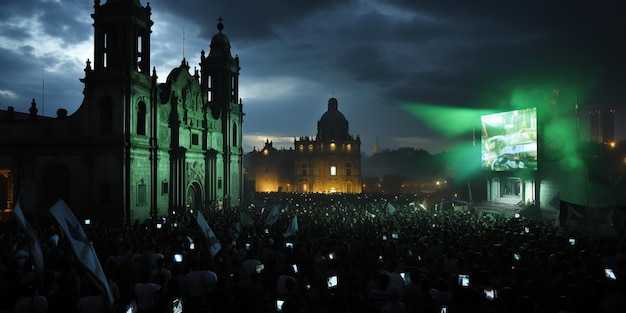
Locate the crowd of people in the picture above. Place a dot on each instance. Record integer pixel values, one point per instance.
(348, 253)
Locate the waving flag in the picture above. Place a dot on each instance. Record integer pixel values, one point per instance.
(234, 231)
(424, 204)
(35, 249)
(214, 245)
(245, 219)
(348, 222)
(292, 229)
(387, 210)
(555, 202)
(272, 217)
(82, 248)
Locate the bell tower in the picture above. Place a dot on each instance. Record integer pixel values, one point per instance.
(220, 86)
(122, 36)
(118, 84)
(120, 102)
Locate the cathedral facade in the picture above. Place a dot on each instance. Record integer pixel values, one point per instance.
(328, 163)
(135, 148)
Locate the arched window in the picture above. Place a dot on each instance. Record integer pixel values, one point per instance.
(141, 118)
(234, 134)
(105, 50)
(106, 115)
(209, 89)
(139, 54)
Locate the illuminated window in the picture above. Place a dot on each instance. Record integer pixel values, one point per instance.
(349, 147)
(333, 170)
(310, 147)
(301, 147)
(266, 152)
(332, 146)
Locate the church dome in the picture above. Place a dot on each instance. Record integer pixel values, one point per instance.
(220, 45)
(333, 116)
(333, 125)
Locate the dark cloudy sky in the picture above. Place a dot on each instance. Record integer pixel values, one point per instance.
(372, 55)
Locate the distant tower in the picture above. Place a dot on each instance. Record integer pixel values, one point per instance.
(376, 147)
(594, 126)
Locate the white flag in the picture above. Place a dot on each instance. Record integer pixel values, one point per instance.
(272, 217)
(387, 210)
(348, 222)
(214, 245)
(245, 218)
(35, 249)
(292, 229)
(83, 250)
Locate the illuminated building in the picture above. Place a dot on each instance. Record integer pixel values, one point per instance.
(332, 161)
(329, 163)
(135, 148)
(271, 168)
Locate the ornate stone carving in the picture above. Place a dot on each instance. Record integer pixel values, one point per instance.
(195, 171)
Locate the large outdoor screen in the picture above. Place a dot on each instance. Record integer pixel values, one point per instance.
(509, 140)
